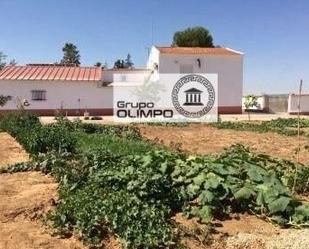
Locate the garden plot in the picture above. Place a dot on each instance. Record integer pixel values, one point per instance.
(204, 139)
(111, 181)
(25, 197)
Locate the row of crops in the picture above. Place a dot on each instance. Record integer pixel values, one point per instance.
(111, 181)
(283, 126)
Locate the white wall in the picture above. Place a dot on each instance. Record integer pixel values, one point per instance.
(129, 75)
(229, 70)
(293, 103)
(67, 93)
(153, 58)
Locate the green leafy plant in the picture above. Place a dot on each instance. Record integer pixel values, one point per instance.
(281, 126)
(251, 101)
(113, 181)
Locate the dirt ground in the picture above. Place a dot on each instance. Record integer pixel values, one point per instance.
(204, 139)
(12, 152)
(26, 197)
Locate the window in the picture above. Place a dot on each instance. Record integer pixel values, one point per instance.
(186, 68)
(38, 95)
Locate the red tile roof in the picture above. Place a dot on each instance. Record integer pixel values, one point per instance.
(127, 69)
(197, 51)
(59, 73)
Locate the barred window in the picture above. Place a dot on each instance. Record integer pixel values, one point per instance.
(38, 95)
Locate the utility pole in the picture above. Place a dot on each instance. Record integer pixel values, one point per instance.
(298, 134)
(152, 32)
(298, 116)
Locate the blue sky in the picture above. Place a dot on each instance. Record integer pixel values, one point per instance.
(274, 35)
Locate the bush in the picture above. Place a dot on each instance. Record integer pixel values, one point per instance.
(34, 137)
(125, 131)
(14, 122)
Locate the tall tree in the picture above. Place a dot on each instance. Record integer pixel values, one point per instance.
(119, 63)
(128, 62)
(2, 60)
(193, 37)
(71, 55)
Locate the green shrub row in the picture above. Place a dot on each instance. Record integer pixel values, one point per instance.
(281, 126)
(34, 137)
(125, 131)
(59, 136)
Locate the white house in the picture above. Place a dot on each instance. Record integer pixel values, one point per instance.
(225, 62)
(50, 88)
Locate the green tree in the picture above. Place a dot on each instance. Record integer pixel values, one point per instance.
(119, 63)
(71, 55)
(128, 62)
(251, 101)
(193, 37)
(2, 60)
(98, 64)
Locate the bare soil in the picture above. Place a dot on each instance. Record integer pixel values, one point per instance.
(10, 151)
(204, 139)
(27, 197)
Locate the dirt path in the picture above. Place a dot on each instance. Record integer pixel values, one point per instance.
(10, 151)
(245, 232)
(24, 198)
(204, 139)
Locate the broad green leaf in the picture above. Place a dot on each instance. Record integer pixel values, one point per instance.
(279, 205)
(212, 181)
(200, 179)
(206, 197)
(193, 189)
(163, 167)
(205, 214)
(255, 173)
(244, 193)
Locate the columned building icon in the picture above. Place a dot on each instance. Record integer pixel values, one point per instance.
(193, 97)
